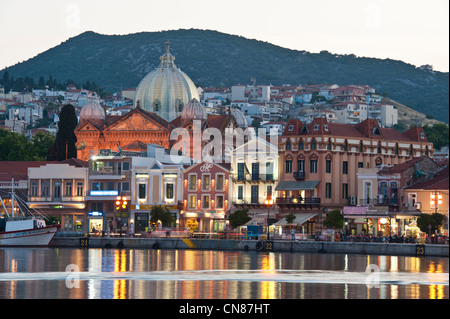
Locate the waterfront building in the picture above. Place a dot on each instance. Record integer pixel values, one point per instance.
(154, 183)
(57, 189)
(319, 162)
(206, 196)
(255, 175)
(429, 196)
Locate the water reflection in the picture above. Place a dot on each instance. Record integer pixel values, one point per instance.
(192, 274)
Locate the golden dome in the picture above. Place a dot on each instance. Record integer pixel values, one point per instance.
(165, 90)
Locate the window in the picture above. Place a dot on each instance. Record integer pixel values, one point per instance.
(68, 189)
(291, 128)
(97, 186)
(205, 201)
(422, 135)
(57, 190)
(316, 127)
(289, 166)
(220, 182)
(328, 166)
(325, 127)
(126, 166)
(45, 189)
(141, 191)
(288, 145)
(255, 171)
(206, 182)
(219, 201)
(269, 171)
(327, 190)
(34, 188)
(301, 146)
(125, 186)
(192, 201)
(345, 191)
(269, 191)
(360, 165)
(169, 191)
(192, 182)
(79, 188)
(110, 186)
(345, 146)
(379, 149)
(241, 171)
(240, 192)
(329, 146)
(360, 147)
(344, 167)
(313, 166)
(300, 165)
(313, 145)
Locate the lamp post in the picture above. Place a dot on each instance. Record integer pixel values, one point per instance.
(269, 203)
(121, 204)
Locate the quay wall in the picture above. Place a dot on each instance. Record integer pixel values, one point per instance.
(254, 245)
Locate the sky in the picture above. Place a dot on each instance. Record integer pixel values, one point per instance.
(413, 31)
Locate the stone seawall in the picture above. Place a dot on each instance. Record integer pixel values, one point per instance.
(253, 245)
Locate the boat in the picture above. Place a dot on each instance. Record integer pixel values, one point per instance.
(27, 230)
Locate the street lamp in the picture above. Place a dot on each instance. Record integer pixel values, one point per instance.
(269, 203)
(121, 204)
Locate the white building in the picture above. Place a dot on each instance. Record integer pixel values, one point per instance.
(254, 169)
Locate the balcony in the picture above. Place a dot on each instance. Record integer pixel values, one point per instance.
(108, 173)
(380, 200)
(298, 202)
(252, 178)
(248, 202)
(299, 176)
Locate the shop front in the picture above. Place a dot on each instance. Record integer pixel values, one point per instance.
(204, 222)
(95, 222)
(141, 216)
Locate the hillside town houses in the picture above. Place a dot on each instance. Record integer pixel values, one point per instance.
(335, 149)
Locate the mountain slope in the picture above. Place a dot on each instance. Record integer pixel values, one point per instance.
(212, 58)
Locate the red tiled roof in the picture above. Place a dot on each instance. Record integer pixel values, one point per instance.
(438, 182)
(414, 134)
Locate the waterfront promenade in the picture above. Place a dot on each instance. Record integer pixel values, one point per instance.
(395, 249)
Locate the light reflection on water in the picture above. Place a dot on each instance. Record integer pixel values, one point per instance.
(168, 274)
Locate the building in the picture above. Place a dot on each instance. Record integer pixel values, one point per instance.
(165, 90)
(430, 196)
(97, 131)
(320, 161)
(255, 175)
(206, 197)
(381, 206)
(57, 189)
(154, 184)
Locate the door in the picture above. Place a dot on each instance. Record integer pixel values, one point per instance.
(255, 194)
(57, 192)
(141, 222)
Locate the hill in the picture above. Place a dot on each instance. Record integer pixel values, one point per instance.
(212, 58)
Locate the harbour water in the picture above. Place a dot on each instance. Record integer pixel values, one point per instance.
(71, 273)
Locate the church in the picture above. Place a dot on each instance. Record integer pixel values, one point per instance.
(166, 99)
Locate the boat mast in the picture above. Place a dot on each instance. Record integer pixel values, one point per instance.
(12, 197)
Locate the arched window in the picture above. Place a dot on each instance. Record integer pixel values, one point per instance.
(156, 106)
(379, 148)
(329, 145)
(313, 145)
(288, 145)
(301, 146)
(345, 146)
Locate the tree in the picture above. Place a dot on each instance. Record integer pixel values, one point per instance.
(290, 218)
(435, 220)
(437, 134)
(162, 214)
(239, 218)
(41, 144)
(334, 219)
(64, 146)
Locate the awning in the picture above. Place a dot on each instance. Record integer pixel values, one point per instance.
(299, 219)
(295, 186)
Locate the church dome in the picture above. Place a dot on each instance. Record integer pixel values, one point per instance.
(92, 111)
(239, 117)
(165, 90)
(194, 110)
